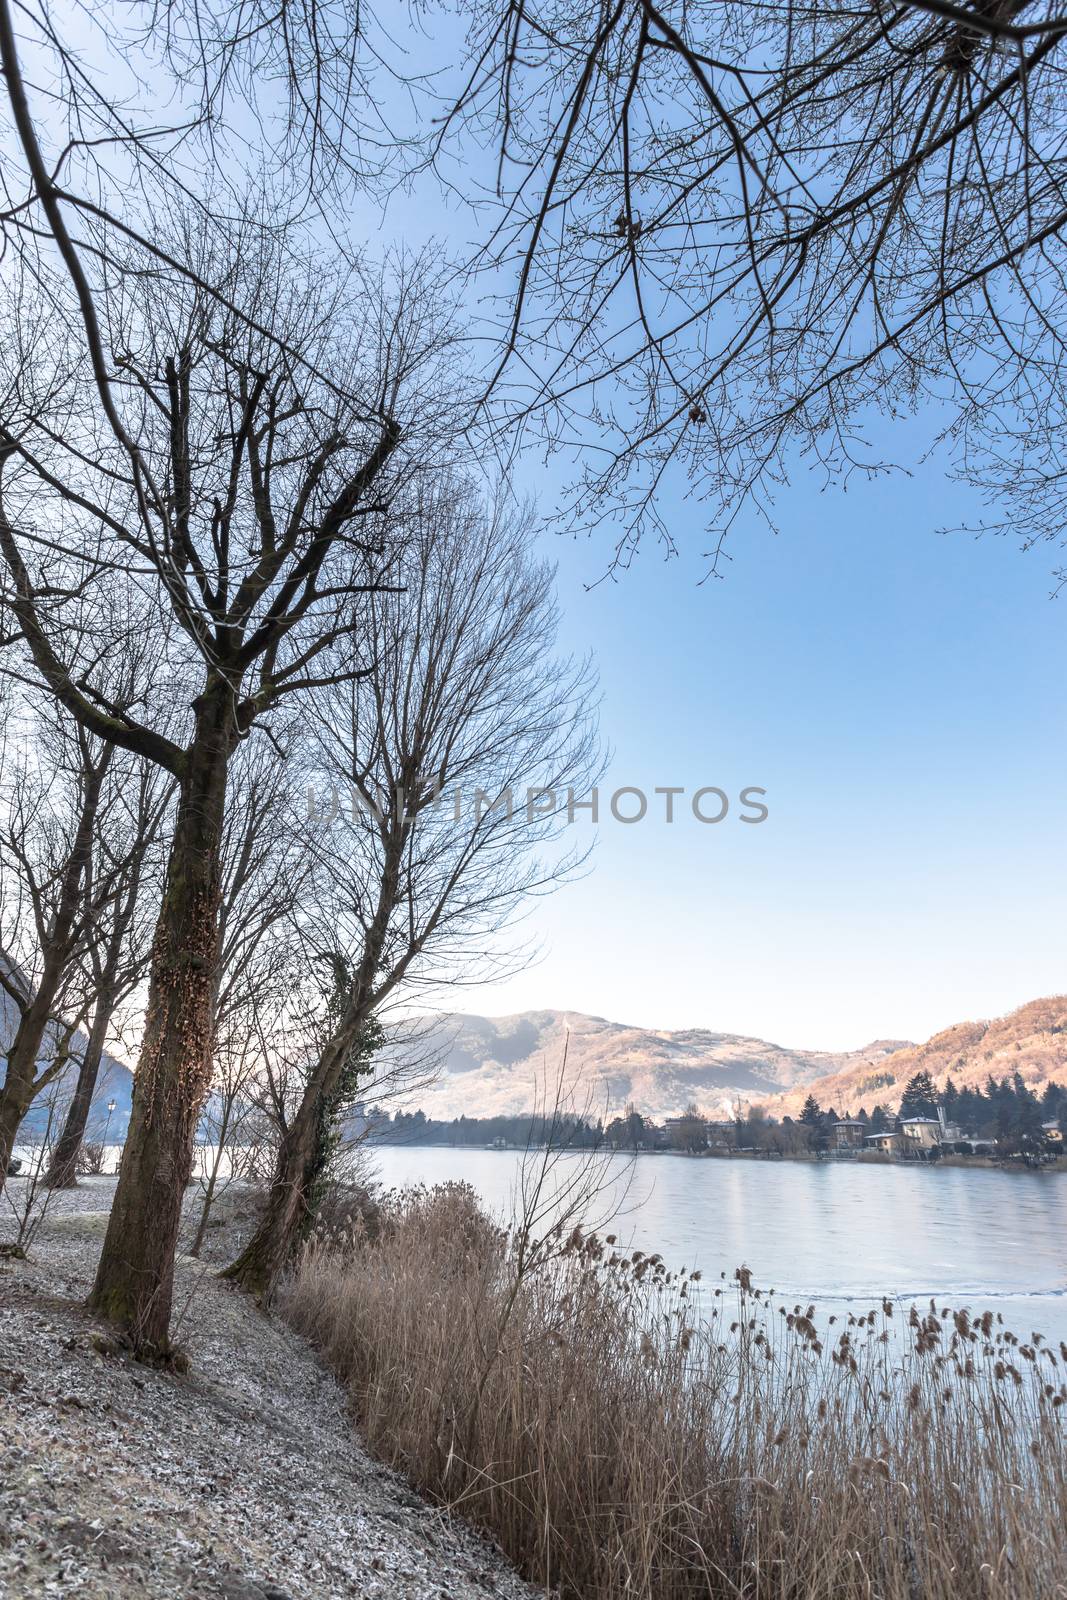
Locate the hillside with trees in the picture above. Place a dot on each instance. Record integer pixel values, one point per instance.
(1030, 1042)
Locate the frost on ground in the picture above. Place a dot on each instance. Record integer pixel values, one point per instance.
(241, 1480)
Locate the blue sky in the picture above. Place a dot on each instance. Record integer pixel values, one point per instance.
(899, 693)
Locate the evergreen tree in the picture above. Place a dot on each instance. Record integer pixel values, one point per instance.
(811, 1115)
(920, 1097)
(1053, 1103)
(1028, 1116)
(1005, 1111)
(816, 1126)
(973, 1112)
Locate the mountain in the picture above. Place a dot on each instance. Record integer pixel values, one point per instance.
(1031, 1041)
(498, 1065)
(495, 1065)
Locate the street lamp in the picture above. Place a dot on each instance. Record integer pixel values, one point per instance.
(110, 1113)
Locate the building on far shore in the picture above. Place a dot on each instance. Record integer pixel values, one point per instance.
(921, 1133)
(848, 1135)
(928, 1136)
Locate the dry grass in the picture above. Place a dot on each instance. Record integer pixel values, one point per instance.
(622, 1433)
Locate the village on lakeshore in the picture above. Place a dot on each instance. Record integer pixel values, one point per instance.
(1006, 1123)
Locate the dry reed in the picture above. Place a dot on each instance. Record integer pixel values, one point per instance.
(621, 1431)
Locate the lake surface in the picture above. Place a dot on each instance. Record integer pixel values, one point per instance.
(839, 1234)
(836, 1233)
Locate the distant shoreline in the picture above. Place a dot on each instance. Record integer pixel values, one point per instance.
(878, 1159)
(864, 1159)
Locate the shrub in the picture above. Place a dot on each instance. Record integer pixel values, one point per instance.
(91, 1159)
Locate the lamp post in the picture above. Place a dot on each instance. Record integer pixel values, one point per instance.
(110, 1113)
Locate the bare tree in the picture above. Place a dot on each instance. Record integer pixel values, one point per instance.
(122, 889)
(730, 233)
(727, 232)
(250, 501)
(50, 822)
(456, 752)
(267, 874)
(27, 1200)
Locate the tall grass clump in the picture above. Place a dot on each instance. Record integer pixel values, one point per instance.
(623, 1431)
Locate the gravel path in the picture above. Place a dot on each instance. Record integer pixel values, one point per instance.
(242, 1480)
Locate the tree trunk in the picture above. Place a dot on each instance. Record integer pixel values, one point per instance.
(10, 1117)
(213, 1178)
(135, 1278)
(62, 1168)
(303, 1154)
(297, 1171)
(21, 1080)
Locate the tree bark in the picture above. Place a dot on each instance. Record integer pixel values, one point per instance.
(301, 1156)
(11, 1115)
(62, 1169)
(135, 1278)
(20, 1081)
(297, 1171)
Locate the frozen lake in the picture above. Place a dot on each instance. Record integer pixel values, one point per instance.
(842, 1235)
(839, 1234)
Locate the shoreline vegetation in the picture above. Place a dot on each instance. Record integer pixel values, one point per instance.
(984, 1164)
(1005, 1124)
(623, 1430)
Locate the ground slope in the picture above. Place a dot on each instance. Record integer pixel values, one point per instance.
(241, 1481)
